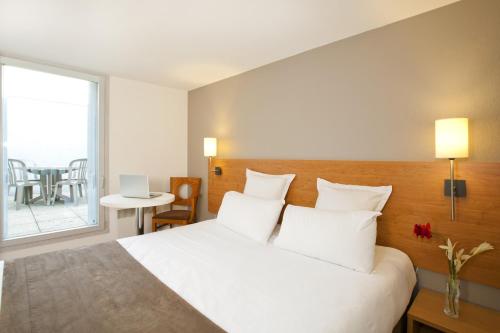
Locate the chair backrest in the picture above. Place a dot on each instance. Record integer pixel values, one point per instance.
(12, 181)
(78, 169)
(176, 184)
(17, 171)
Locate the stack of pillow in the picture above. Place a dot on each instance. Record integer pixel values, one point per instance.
(255, 212)
(341, 229)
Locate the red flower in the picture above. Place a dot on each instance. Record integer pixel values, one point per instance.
(417, 230)
(422, 230)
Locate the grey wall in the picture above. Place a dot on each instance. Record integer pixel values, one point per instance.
(373, 96)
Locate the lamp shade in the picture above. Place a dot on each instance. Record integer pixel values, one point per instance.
(452, 138)
(210, 147)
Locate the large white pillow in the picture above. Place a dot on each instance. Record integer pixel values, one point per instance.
(333, 196)
(267, 186)
(340, 237)
(249, 216)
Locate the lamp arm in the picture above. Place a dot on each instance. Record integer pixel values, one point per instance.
(452, 187)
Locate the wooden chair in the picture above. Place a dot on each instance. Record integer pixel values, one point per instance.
(181, 217)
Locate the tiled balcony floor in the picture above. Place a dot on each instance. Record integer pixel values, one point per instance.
(39, 218)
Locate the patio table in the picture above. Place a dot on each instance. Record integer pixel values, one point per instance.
(49, 176)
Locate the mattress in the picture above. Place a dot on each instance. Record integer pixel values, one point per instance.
(245, 286)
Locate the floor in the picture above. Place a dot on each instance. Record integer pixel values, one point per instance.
(39, 218)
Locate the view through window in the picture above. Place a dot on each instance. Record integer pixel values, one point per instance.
(50, 152)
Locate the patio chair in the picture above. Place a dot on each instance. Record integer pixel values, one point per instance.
(76, 181)
(12, 182)
(18, 178)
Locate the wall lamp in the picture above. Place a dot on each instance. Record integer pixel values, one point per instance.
(452, 141)
(210, 150)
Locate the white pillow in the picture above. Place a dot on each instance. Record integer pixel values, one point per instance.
(249, 216)
(332, 196)
(340, 237)
(267, 186)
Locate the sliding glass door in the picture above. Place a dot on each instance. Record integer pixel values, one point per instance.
(50, 153)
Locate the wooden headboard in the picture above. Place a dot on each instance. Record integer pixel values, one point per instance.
(417, 197)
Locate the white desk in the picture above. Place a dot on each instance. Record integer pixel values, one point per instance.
(117, 201)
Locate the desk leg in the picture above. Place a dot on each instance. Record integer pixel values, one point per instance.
(139, 218)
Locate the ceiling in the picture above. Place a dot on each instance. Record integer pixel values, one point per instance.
(186, 43)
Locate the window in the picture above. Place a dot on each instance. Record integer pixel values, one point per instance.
(51, 159)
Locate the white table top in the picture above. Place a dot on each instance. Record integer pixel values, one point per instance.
(119, 202)
(48, 168)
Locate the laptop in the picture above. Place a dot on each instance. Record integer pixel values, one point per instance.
(136, 186)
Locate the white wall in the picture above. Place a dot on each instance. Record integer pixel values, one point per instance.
(146, 133)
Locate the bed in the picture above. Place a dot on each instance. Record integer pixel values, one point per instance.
(232, 274)
(244, 286)
(201, 278)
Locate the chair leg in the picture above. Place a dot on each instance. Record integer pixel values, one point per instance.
(73, 193)
(42, 192)
(154, 227)
(80, 190)
(76, 198)
(28, 193)
(58, 189)
(19, 196)
(54, 194)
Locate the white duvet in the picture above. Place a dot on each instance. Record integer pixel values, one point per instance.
(245, 286)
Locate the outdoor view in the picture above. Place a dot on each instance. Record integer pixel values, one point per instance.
(49, 125)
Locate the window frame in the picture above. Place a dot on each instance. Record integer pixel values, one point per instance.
(100, 176)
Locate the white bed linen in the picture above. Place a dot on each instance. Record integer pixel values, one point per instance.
(246, 286)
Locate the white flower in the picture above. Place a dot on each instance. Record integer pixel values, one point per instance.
(466, 257)
(458, 265)
(449, 250)
(460, 257)
(483, 247)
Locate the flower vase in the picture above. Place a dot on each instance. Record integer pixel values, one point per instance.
(451, 303)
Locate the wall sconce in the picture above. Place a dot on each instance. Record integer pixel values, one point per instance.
(452, 141)
(210, 150)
